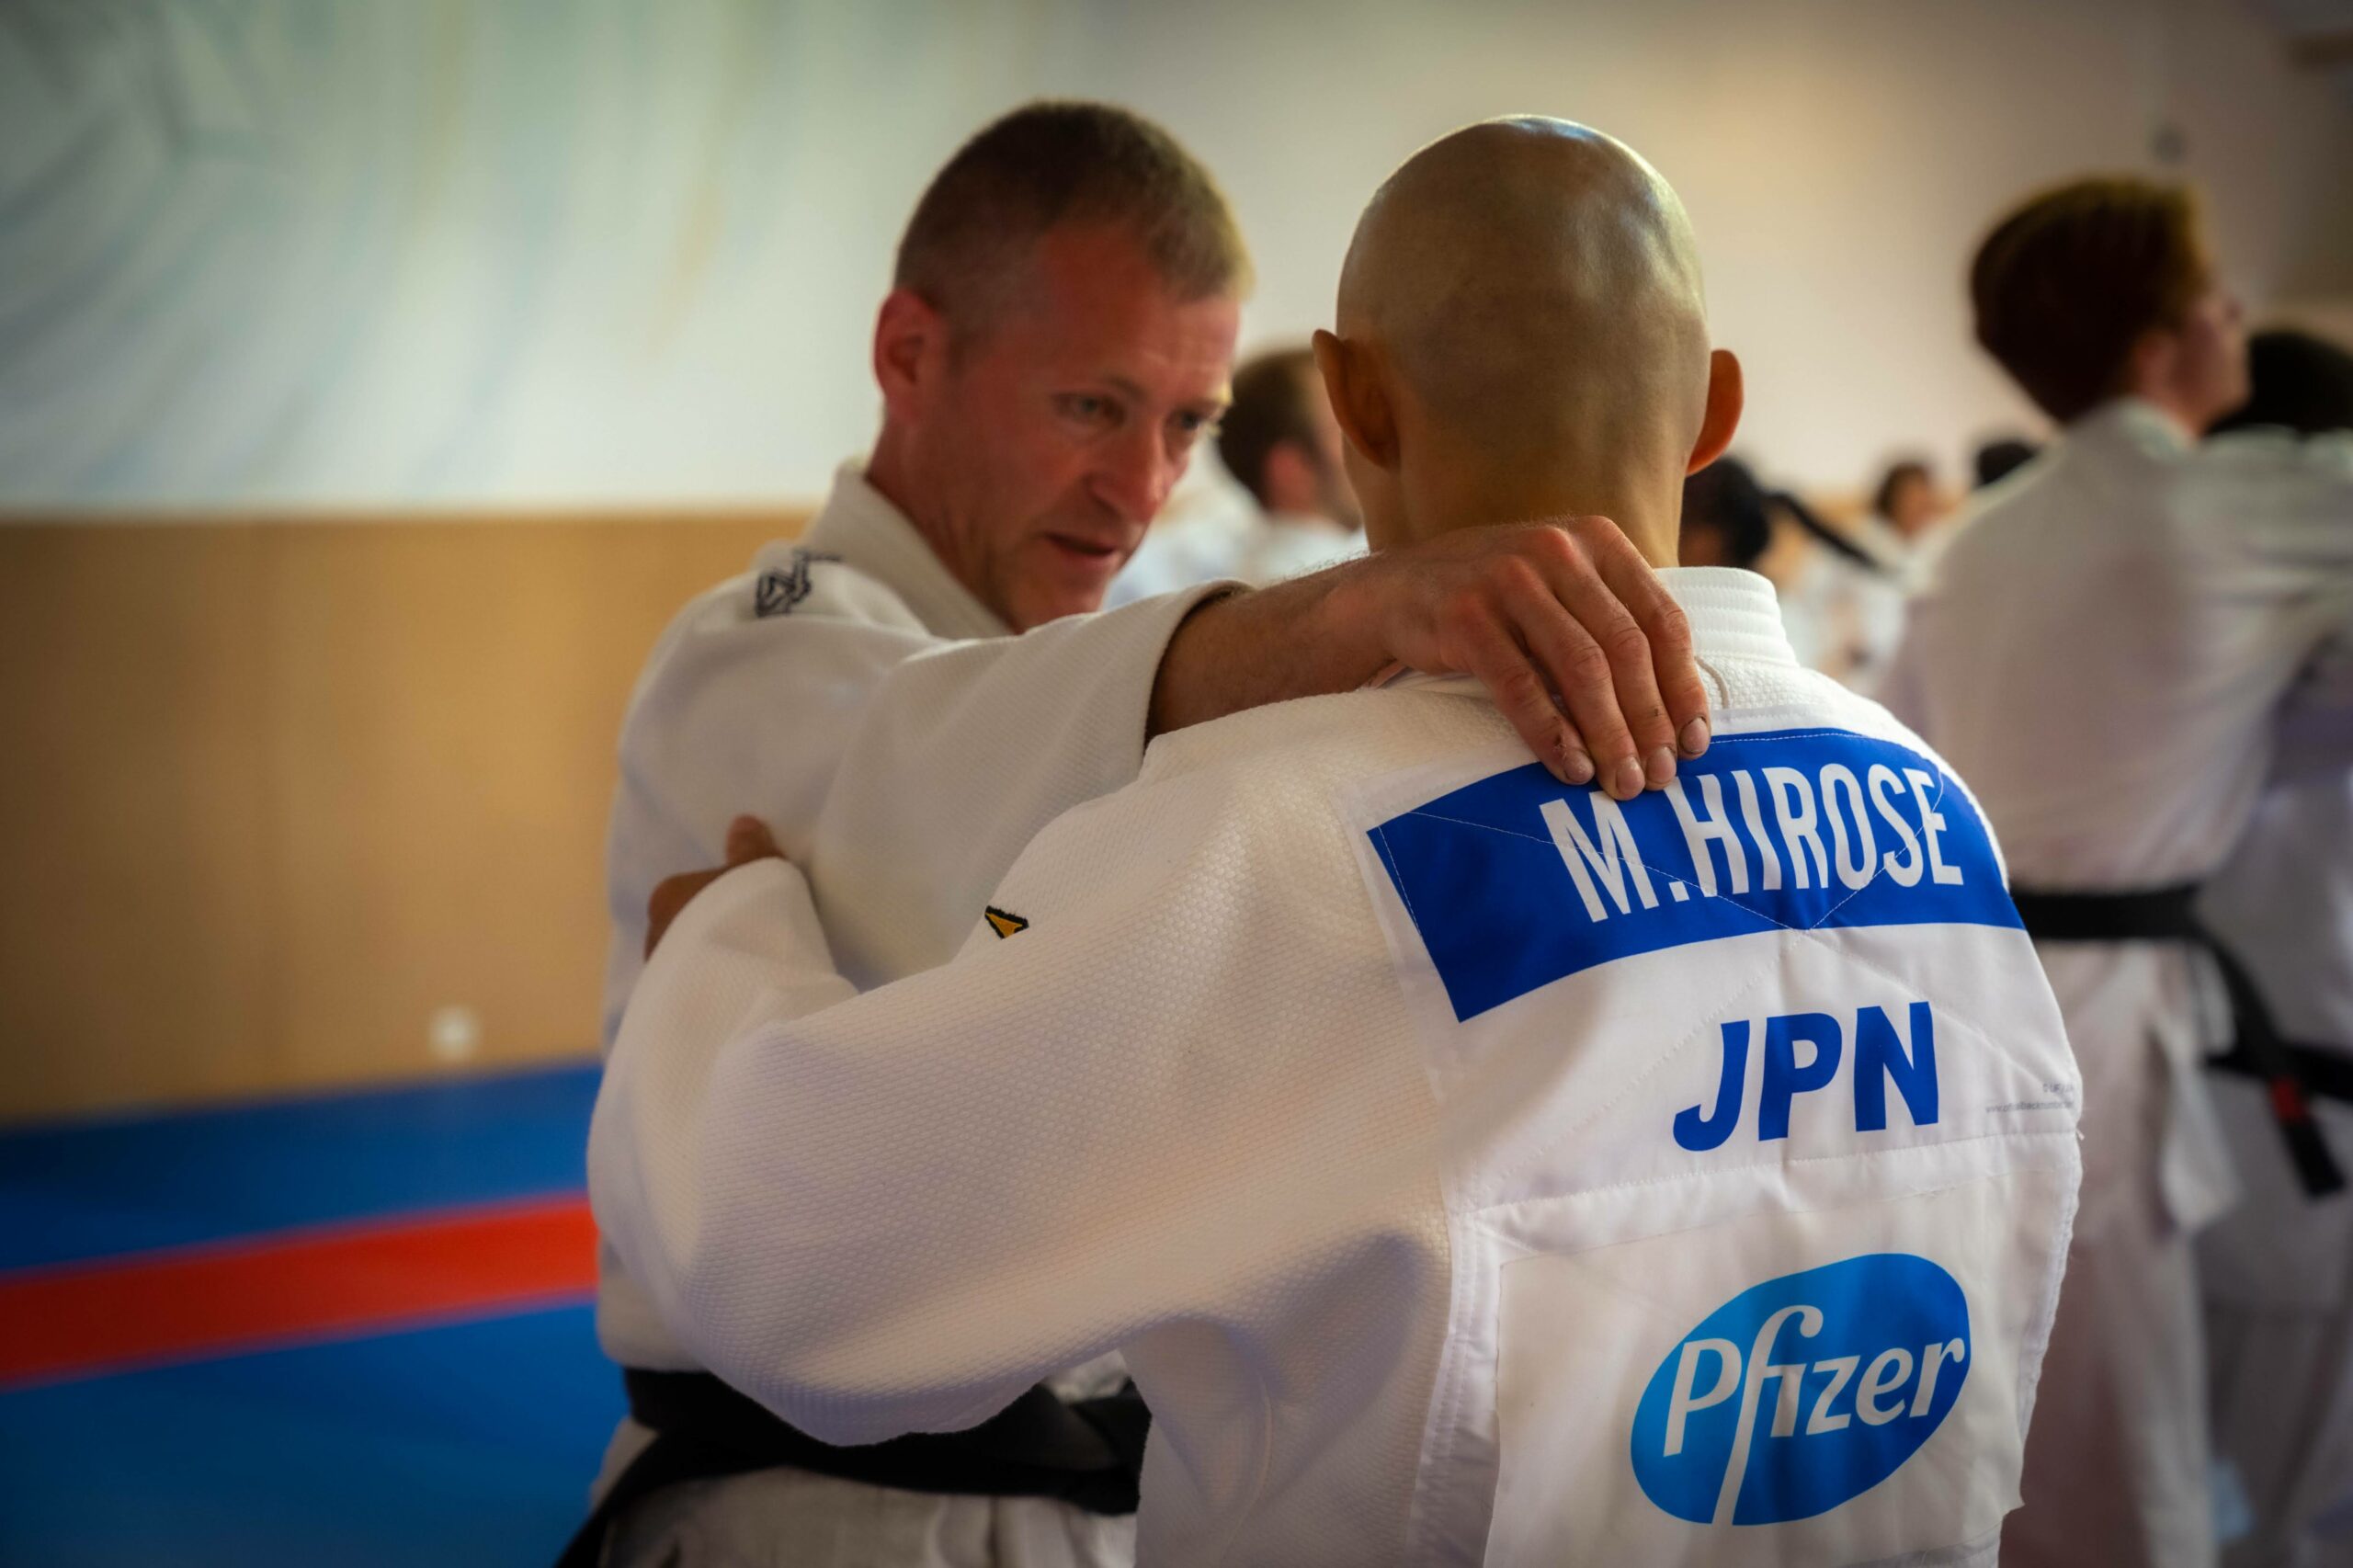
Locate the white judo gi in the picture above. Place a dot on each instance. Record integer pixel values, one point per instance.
(2100, 655)
(2277, 1272)
(822, 691)
(1474, 1169)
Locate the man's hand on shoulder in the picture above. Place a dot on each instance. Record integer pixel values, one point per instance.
(748, 839)
(1563, 620)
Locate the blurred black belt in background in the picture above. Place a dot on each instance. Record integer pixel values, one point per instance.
(2290, 1071)
(1087, 1453)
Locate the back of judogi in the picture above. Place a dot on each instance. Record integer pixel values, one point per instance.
(1472, 1169)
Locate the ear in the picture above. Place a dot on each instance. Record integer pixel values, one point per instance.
(1359, 401)
(1727, 395)
(909, 351)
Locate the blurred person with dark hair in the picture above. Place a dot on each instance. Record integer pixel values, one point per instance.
(1996, 460)
(1726, 521)
(2277, 1272)
(1057, 335)
(2298, 383)
(1902, 529)
(1278, 441)
(1281, 443)
(2100, 655)
(1842, 600)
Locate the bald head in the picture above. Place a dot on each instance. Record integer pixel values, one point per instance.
(1526, 293)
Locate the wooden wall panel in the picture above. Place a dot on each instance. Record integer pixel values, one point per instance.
(274, 792)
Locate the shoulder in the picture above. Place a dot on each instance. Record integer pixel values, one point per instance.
(810, 584)
(795, 607)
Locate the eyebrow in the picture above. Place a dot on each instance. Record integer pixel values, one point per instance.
(1128, 389)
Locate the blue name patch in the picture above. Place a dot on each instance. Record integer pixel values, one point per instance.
(1517, 880)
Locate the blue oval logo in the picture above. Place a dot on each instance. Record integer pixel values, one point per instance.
(1802, 1392)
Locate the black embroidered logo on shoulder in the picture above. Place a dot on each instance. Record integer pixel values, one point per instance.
(779, 590)
(1004, 924)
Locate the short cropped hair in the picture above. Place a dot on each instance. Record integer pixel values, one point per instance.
(2296, 382)
(1272, 404)
(2066, 285)
(1902, 471)
(1049, 163)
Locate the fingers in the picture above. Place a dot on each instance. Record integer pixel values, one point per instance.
(670, 896)
(1570, 662)
(1627, 672)
(1675, 665)
(1491, 653)
(748, 839)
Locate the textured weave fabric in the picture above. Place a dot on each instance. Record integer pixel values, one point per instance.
(1394, 1280)
(779, 692)
(824, 692)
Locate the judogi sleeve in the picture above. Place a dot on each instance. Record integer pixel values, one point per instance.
(907, 772)
(966, 752)
(895, 1211)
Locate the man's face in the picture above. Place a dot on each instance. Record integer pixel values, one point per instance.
(2208, 371)
(1059, 429)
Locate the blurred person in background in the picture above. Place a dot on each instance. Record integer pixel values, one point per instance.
(2102, 656)
(1843, 603)
(1902, 528)
(1995, 461)
(1278, 441)
(1725, 520)
(1059, 333)
(2277, 1272)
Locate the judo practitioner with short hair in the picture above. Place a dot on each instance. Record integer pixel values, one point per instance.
(1472, 1167)
(2277, 1272)
(1058, 336)
(2101, 655)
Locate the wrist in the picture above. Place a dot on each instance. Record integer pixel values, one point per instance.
(1349, 620)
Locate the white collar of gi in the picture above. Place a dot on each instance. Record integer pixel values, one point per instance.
(1733, 616)
(2136, 421)
(859, 525)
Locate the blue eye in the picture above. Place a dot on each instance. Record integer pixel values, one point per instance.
(1089, 408)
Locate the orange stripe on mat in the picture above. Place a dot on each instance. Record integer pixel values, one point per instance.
(183, 1304)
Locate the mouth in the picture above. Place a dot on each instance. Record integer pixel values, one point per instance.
(1095, 553)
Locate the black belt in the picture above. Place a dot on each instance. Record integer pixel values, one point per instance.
(2292, 1073)
(1086, 1453)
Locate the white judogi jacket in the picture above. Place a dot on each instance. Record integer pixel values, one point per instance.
(2101, 654)
(1239, 544)
(1472, 1169)
(823, 692)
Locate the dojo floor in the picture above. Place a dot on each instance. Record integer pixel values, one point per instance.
(350, 1329)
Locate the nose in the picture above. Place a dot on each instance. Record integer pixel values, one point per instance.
(1136, 473)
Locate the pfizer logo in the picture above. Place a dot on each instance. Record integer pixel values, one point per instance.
(1802, 1392)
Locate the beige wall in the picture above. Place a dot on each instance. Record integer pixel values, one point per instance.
(274, 792)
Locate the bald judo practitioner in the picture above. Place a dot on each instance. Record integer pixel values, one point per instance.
(1472, 1167)
(1058, 336)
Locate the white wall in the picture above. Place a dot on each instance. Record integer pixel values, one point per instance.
(422, 251)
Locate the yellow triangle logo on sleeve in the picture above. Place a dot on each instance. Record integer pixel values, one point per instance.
(1003, 924)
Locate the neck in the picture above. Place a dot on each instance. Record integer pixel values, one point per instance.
(1647, 507)
(897, 475)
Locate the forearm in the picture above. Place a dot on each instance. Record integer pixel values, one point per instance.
(1309, 637)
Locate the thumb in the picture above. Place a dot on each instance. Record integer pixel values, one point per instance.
(748, 839)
